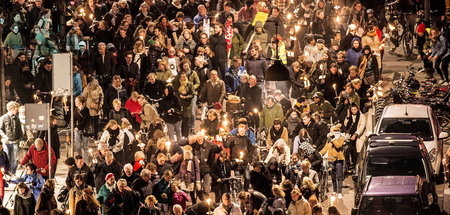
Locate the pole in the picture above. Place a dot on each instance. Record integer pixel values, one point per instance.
(2, 73)
(72, 100)
(427, 10)
(49, 138)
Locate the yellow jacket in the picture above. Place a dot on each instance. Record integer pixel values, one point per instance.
(334, 148)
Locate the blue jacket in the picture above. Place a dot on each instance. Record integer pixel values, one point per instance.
(77, 84)
(249, 134)
(441, 47)
(35, 182)
(352, 55)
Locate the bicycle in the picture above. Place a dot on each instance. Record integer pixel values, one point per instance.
(398, 30)
(233, 186)
(323, 181)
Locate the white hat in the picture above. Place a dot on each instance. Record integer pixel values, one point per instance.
(82, 43)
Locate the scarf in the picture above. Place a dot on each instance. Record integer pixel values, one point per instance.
(113, 134)
(110, 187)
(274, 134)
(307, 147)
(352, 125)
(371, 33)
(183, 87)
(228, 34)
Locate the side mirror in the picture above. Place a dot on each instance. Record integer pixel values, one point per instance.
(443, 135)
(354, 211)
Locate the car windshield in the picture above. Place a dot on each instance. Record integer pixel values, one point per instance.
(397, 205)
(383, 166)
(422, 127)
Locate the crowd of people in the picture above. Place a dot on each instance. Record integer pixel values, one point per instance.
(171, 105)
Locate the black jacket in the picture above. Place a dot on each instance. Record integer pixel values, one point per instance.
(10, 127)
(85, 171)
(43, 80)
(118, 115)
(220, 171)
(154, 91)
(81, 118)
(252, 98)
(24, 204)
(170, 103)
(104, 67)
(219, 46)
(206, 153)
(111, 94)
(262, 181)
(142, 187)
(129, 71)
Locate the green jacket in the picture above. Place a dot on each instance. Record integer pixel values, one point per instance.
(13, 40)
(268, 115)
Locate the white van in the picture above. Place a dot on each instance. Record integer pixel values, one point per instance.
(418, 120)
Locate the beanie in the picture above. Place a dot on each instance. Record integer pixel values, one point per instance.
(108, 176)
(217, 106)
(421, 28)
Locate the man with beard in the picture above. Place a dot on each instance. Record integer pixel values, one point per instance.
(276, 132)
(219, 45)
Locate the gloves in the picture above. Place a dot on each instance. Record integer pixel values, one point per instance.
(198, 186)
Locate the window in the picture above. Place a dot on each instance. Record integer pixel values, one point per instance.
(421, 127)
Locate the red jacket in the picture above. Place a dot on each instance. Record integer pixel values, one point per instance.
(39, 158)
(134, 108)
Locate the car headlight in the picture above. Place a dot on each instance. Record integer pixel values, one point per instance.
(433, 154)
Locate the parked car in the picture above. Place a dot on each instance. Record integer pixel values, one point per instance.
(418, 120)
(394, 155)
(395, 195)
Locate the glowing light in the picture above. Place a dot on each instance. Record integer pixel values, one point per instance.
(289, 16)
(225, 123)
(380, 94)
(297, 28)
(82, 10)
(91, 16)
(241, 155)
(334, 86)
(168, 145)
(391, 27)
(338, 19)
(208, 201)
(255, 110)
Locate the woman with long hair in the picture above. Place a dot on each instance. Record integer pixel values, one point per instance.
(88, 205)
(46, 201)
(170, 109)
(278, 200)
(24, 202)
(93, 93)
(113, 137)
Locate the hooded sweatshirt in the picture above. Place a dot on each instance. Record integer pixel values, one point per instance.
(354, 53)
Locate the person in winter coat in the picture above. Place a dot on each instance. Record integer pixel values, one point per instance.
(149, 208)
(170, 110)
(355, 124)
(113, 136)
(118, 113)
(81, 121)
(123, 200)
(311, 127)
(32, 179)
(106, 191)
(256, 64)
(189, 174)
(154, 88)
(307, 172)
(24, 201)
(260, 179)
(440, 54)
(184, 94)
(115, 91)
(76, 193)
(271, 111)
(186, 43)
(291, 123)
(162, 191)
(4, 160)
(179, 197)
(281, 152)
(322, 106)
(149, 114)
(277, 201)
(135, 109)
(94, 102)
(221, 169)
(46, 201)
(299, 205)
(109, 166)
(211, 123)
(80, 168)
(227, 206)
(38, 154)
(368, 66)
(43, 78)
(336, 154)
(353, 53)
(332, 84)
(214, 90)
(277, 132)
(87, 205)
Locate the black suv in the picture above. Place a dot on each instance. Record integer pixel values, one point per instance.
(394, 155)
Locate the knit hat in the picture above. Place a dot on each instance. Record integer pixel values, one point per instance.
(82, 43)
(109, 46)
(370, 11)
(421, 28)
(108, 176)
(321, 41)
(217, 106)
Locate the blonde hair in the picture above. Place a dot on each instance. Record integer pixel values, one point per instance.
(117, 102)
(306, 163)
(139, 154)
(151, 198)
(278, 191)
(309, 182)
(111, 123)
(12, 105)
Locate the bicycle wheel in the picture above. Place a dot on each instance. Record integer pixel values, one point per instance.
(323, 187)
(408, 43)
